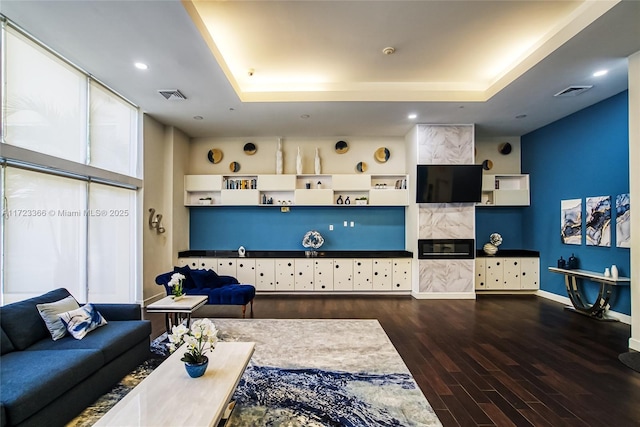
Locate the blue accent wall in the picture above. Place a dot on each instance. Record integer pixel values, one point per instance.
(266, 228)
(582, 155)
(504, 220)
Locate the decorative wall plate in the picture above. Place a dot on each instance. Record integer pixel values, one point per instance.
(382, 154)
(342, 147)
(361, 167)
(487, 165)
(250, 148)
(215, 155)
(504, 148)
(234, 166)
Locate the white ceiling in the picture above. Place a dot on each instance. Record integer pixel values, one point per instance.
(465, 61)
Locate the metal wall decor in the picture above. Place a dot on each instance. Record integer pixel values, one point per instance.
(234, 166)
(250, 149)
(214, 155)
(361, 167)
(342, 147)
(382, 154)
(504, 148)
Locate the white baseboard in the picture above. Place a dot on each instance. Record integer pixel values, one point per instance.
(624, 318)
(634, 344)
(443, 295)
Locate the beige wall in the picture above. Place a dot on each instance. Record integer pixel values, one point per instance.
(165, 159)
(487, 149)
(361, 149)
(634, 187)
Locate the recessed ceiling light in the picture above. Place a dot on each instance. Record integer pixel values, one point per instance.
(305, 116)
(412, 116)
(521, 116)
(141, 66)
(198, 117)
(600, 73)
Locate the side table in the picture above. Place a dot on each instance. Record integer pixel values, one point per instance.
(187, 305)
(598, 309)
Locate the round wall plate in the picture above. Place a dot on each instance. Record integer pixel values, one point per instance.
(214, 155)
(504, 148)
(342, 147)
(382, 154)
(250, 148)
(361, 167)
(487, 165)
(234, 166)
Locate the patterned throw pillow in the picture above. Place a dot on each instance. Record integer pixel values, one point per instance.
(83, 320)
(50, 313)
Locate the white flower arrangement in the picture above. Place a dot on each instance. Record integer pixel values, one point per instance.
(176, 284)
(495, 239)
(312, 239)
(202, 337)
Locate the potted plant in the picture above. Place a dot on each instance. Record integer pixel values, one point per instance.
(175, 284)
(200, 338)
(361, 200)
(206, 200)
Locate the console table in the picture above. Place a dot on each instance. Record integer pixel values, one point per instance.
(598, 309)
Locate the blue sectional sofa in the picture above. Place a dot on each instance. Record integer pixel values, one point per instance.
(220, 290)
(47, 383)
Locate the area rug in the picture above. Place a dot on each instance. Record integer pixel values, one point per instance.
(631, 359)
(312, 373)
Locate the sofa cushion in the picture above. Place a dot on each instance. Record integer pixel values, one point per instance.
(6, 346)
(81, 321)
(33, 379)
(50, 313)
(229, 294)
(113, 339)
(21, 320)
(204, 278)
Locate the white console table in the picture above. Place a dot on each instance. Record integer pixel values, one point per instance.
(598, 309)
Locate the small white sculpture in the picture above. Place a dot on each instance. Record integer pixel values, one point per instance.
(317, 162)
(279, 157)
(299, 162)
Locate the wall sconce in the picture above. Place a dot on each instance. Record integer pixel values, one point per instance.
(155, 221)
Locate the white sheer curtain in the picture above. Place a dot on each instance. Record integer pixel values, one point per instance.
(44, 234)
(111, 243)
(46, 101)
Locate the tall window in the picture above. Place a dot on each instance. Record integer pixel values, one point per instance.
(69, 179)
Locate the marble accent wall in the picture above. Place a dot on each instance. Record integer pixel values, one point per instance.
(446, 144)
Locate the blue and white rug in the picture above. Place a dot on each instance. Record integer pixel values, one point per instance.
(323, 373)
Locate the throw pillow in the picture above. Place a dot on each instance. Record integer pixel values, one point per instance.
(204, 278)
(50, 313)
(81, 321)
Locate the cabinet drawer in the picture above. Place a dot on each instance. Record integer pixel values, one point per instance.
(351, 182)
(240, 197)
(202, 182)
(313, 197)
(388, 197)
(276, 182)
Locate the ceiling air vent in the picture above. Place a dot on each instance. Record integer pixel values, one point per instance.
(573, 91)
(172, 94)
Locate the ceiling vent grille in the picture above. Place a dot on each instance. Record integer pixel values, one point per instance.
(573, 91)
(172, 94)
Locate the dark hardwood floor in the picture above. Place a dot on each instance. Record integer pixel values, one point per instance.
(496, 361)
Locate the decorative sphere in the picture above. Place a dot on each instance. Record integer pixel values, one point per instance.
(490, 249)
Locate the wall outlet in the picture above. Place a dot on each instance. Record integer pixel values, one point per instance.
(345, 223)
(330, 227)
(352, 224)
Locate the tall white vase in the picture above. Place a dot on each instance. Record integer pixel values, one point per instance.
(318, 168)
(299, 162)
(614, 272)
(279, 165)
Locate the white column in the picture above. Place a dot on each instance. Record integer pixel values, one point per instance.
(634, 189)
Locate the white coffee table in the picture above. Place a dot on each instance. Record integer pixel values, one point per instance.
(187, 305)
(170, 397)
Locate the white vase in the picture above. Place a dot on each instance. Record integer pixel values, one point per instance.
(317, 162)
(614, 272)
(279, 157)
(299, 162)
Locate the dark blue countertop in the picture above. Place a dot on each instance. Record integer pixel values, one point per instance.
(509, 253)
(296, 254)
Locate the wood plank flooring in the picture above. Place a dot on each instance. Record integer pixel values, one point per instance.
(496, 361)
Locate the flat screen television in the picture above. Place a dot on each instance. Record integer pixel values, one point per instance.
(449, 184)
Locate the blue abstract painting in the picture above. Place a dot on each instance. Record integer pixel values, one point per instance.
(598, 222)
(623, 221)
(571, 221)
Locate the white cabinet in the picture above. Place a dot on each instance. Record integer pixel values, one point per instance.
(285, 275)
(362, 274)
(303, 269)
(507, 273)
(226, 267)
(246, 270)
(505, 190)
(323, 275)
(402, 274)
(343, 274)
(265, 274)
(202, 189)
(529, 273)
(313, 197)
(382, 275)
